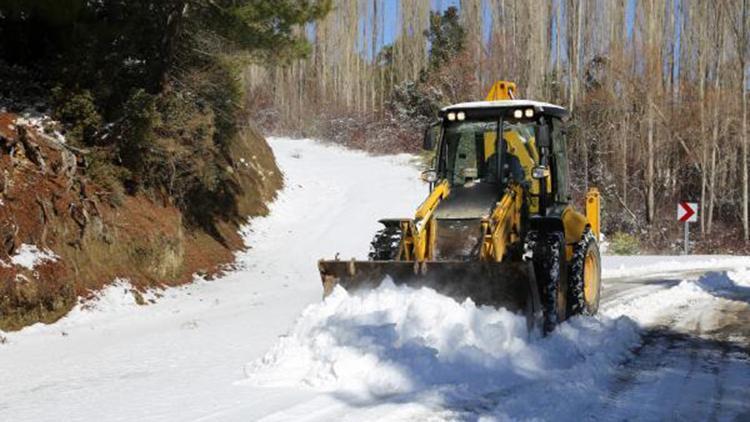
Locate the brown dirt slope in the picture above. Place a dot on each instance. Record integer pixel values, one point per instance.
(47, 200)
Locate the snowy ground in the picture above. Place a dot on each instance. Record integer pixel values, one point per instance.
(671, 341)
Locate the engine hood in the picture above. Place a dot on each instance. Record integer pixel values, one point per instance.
(469, 202)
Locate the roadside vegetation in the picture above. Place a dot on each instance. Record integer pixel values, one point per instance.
(150, 88)
(623, 244)
(161, 160)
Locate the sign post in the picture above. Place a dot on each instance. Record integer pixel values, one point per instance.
(687, 212)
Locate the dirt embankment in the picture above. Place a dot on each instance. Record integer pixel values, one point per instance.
(85, 240)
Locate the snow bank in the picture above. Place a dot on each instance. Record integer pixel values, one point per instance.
(659, 265)
(109, 304)
(693, 297)
(398, 340)
(29, 256)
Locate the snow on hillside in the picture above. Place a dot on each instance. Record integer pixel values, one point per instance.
(260, 344)
(29, 256)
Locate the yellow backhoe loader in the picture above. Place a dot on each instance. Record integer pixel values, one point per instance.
(497, 226)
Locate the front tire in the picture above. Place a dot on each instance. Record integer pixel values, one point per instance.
(549, 269)
(585, 276)
(385, 244)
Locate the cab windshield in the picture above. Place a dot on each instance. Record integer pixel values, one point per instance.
(470, 151)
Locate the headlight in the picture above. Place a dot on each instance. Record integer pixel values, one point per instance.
(429, 176)
(529, 112)
(518, 114)
(460, 115)
(451, 116)
(539, 172)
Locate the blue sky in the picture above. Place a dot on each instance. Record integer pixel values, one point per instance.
(392, 19)
(390, 24)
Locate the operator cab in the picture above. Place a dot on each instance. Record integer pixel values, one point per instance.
(478, 163)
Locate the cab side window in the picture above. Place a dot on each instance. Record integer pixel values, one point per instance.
(559, 148)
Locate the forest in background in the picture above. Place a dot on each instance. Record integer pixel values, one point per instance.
(657, 90)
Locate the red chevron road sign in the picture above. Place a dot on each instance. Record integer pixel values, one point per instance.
(687, 212)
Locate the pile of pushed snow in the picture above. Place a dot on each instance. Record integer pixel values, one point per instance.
(399, 340)
(657, 265)
(29, 256)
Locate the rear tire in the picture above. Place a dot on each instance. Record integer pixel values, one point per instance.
(548, 257)
(585, 276)
(385, 244)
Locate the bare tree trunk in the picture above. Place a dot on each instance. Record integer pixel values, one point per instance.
(574, 59)
(653, 66)
(744, 151)
(558, 40)
(374, 73)
(743, 43)
(625, 175)
(714, 145)
(712, 181)
(650, 166)
(702, 51)
(704, 163)
(719, 51)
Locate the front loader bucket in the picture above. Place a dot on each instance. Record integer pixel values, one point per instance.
(496, 284)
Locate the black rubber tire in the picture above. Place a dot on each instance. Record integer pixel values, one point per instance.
(385, 244)
(533, 308)
(578, 305)
(550, 271)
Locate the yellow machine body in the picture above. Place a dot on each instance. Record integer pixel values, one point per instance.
(501, 90)
(496, 276)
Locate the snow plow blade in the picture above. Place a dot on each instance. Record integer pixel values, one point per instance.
(496, 284)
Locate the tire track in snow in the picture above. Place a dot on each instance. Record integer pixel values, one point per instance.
(676, 376)
(684, 368)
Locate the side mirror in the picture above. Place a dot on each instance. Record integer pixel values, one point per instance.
(543, 137)
(430, 136)
(429, 176)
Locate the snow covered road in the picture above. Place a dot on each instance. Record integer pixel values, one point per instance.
(671, 341)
